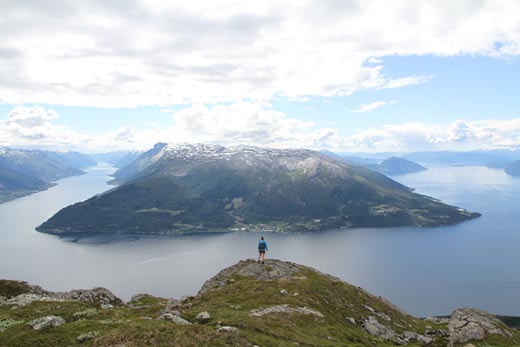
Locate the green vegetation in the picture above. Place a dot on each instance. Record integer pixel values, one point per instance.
(220, 197)
(339, 310)
(23, 172)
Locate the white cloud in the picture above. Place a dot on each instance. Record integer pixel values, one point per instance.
(257, 124)
(405, 81)
(458, 135)
(32, 126)
(366, 108)
(115, 53)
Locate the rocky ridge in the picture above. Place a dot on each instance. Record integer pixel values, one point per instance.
(247, 304)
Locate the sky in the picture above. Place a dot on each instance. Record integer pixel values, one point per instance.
(343, 75)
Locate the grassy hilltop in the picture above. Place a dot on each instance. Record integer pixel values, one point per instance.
(247, 304)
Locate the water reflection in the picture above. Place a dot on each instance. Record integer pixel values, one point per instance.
(425, 271)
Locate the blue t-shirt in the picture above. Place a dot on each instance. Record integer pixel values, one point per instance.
(262, 242)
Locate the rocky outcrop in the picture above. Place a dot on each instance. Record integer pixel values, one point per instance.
(272, 270)
(377, 329)
(284, 309)
(46, 322)
(374, 328)
(98, 296)
(470, 324)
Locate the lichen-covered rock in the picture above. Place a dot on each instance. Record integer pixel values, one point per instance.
(203, 317)
(97, 295)
(179, 320)
(25, 299)
(467, 324)
(87, 336)
(284, 309)
(374, 328)
(46, 322)
(273, 269)
(229, 330)
(173, 304)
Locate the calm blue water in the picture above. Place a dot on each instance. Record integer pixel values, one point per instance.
(424, 271)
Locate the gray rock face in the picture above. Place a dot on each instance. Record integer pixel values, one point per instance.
(284, 309)
(46, 322)
(96, 295)
(272, 270)
(25, 299)
(374, 328)
(180, 321)
(172, 305)
(468, 324)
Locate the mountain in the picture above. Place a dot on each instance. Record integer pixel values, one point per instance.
(74, 159)
(247, 304)
(175, 189)
(24, 172)
(513, 168)
(397, 166)
(492, 158)
(118, 159)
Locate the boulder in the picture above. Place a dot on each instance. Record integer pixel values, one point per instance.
(46, 322)
(180, 321)
(87, 336)
(468, 324)
(173, 304)
(203, 317)
(374, 328)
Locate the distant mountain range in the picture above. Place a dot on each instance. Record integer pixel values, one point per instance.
(390, 166)
(117, 158)
(24, 172)
(175, 189)
(489, 158)
(396, 166)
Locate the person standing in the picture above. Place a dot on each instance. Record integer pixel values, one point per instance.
(262, 248)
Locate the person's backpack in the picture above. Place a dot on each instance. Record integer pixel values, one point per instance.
(261, 246)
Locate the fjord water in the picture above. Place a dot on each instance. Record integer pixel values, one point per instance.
(424, 271)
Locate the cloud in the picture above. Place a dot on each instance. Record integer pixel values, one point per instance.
(222, 51)
(239, 123)
(459, 135)
(32, 126)
(405, 81)
(257, 123)
(366, 108)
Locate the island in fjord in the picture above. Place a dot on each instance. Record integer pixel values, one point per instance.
(179, 189)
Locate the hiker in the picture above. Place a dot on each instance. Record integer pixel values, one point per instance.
(262, 248)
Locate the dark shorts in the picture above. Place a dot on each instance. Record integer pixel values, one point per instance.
(261, 250)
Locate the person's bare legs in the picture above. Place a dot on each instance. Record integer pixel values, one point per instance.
(259, 256)
(262, 257)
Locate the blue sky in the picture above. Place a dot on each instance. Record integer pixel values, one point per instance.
(322, 75)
